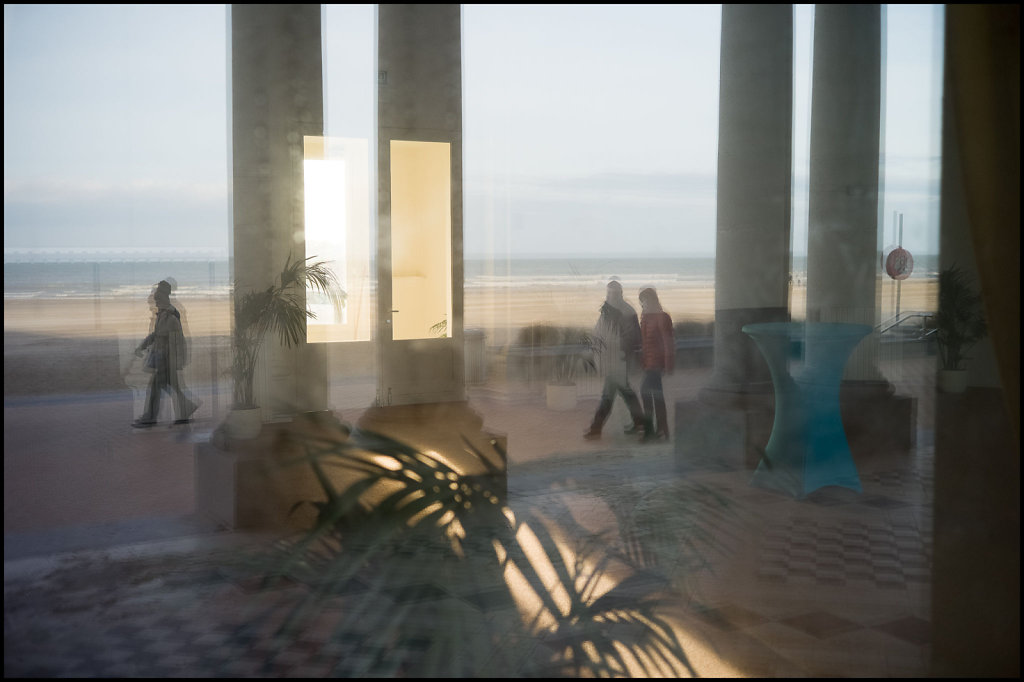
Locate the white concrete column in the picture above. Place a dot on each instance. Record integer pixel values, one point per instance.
(419, 98)
(752, 258)
(276, 99)
(843, 205)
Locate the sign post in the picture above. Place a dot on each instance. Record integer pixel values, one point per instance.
(898, 262)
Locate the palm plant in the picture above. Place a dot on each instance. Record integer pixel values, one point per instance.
(960, 320)
(281, 309)
(422, 570)
(575, 357)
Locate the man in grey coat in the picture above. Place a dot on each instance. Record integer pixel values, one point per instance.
(617, 336)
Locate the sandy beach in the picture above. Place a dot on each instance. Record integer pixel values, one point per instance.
(83, 344)
(486, 308)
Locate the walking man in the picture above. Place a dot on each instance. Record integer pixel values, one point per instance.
(617, 336)
(167, 357)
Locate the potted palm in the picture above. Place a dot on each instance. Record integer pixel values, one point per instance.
(280, 308)
(959, 325)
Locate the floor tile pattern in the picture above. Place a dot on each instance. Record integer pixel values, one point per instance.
(798, 584)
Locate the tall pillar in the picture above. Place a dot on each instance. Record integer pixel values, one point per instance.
(730, 421)
(755, 155)
(843, 202)
(419, 261)
(844, 223)
(419, 102)
(276, 100)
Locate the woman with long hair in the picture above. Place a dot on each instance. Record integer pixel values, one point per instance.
(659, 354)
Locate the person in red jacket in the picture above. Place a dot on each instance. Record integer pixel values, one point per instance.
(659, 355)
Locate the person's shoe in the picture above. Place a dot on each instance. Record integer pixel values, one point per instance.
(655, 437)
(143, 424)
(184, 421)
(591, 434)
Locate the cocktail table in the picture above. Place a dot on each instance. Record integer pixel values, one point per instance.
(807, 448)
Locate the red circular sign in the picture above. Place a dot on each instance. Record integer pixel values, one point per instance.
(899, 263)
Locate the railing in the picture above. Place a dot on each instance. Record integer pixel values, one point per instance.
(921, 333)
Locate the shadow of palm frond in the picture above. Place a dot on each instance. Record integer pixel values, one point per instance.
(413, 567)
(680, 530)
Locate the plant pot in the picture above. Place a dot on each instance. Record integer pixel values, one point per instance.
(561, 397)
(952, 380)
(244, 424)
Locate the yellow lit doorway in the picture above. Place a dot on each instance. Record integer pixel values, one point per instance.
(420, 324)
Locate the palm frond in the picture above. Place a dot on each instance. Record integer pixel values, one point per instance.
(392, 516)
(960, 321)
(278, 309)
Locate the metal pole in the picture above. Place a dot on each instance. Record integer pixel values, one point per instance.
(214, 374)
(899, 282)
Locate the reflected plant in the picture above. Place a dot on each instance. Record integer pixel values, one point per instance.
(577, 358)
(562, 353)
(423, 570)
(669, 531)
(279, 308)
(440, 329)
(960, 319)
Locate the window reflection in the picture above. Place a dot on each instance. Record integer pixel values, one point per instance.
(421, 239)
(338, 230)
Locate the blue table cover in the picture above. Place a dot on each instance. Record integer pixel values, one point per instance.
(808, 448)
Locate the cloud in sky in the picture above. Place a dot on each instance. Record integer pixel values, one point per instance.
(607, 214)
(45, 213)
(580, 124)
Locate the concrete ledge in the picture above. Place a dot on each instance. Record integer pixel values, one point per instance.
(877, 421)
(723, 436)
(259, 483)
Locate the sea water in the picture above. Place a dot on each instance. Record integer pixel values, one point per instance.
(73, 273)
(86, 273)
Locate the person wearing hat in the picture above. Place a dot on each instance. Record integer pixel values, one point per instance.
(167, 357)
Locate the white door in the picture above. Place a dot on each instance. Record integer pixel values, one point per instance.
(420, 325)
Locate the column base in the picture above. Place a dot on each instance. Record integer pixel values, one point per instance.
(453, 430)
(877, 421)
(257, 483)
(723, 430)
(253, 483)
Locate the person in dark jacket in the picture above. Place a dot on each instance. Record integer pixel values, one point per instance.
(167, 357)
(659, 353)
(617, 336)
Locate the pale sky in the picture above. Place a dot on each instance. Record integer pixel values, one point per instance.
(589, 129)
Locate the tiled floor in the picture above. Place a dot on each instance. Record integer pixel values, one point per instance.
(836, 584)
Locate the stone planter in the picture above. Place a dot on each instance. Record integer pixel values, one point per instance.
(952, 380)
(244, 424)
